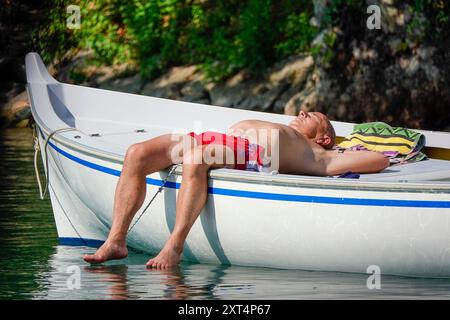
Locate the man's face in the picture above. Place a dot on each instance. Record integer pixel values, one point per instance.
(310, 124)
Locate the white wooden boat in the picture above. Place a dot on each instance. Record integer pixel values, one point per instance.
(398, 220)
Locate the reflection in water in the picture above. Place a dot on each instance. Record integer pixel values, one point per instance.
(129, 279)
(116, 278)
(178, 286)
(33, 266)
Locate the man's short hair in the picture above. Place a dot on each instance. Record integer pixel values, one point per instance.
(329, 130)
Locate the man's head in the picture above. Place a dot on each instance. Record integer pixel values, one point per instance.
(316, 127)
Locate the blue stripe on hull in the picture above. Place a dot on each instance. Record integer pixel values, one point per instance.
(330, 200)
(65, 241)
(273, 196)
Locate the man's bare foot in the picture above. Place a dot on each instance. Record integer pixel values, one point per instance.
(167, 258)
(108, 251)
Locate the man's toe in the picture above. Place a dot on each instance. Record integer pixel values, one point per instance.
(88, 257)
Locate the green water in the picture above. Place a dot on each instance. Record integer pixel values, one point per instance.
(34, 266)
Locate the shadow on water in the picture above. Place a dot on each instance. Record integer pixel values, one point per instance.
(34, 266)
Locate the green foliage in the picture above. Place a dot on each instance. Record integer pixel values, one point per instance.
(77, 76)
(298, 34)
(102, 30)
(53, 39)
(221, 36)
(255, 38)
(432, 16)
(323, 48)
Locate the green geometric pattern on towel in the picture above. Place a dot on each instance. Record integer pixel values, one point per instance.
(383, 129)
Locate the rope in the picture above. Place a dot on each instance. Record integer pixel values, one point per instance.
(36, 169)
(42, 194)
(36, 151)
(171, 171)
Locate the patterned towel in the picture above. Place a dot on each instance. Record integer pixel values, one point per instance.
(401, 145)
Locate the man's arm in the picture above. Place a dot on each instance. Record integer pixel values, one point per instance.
(355, 161)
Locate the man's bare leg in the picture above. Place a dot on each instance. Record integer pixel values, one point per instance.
(141, 159)
(191, 200)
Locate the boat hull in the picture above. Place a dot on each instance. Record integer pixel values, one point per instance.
(265, 225)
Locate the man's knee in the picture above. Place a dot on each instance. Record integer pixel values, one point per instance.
(193, 162)
(136, 153)
(193, 156)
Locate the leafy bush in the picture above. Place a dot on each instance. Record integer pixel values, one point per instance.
(53, 38)
(436, 18)
(221, 36)
(298, 34)
(103, 31)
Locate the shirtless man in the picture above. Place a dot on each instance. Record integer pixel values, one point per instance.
(301, 148)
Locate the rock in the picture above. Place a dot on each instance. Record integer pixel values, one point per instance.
(16, 110)
(268, 93)
(171, 84)
(293, 105)
(21, 110)
(426, 52)
(398, 75)
(22, 123)
(261, 102)
(224, 96)
(280, 103)
(130, 84)
(256, 95)
(432, 73)
(305, 100)
(194, 91)
(412, 66)
(294, 70)
(179, 75)
(167, 92)
(319, 10)
(309, 103)
(238, 78)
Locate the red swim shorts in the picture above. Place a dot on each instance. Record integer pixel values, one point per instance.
(244, 152)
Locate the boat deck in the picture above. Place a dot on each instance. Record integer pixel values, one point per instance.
(118, 138)
(426, 170)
